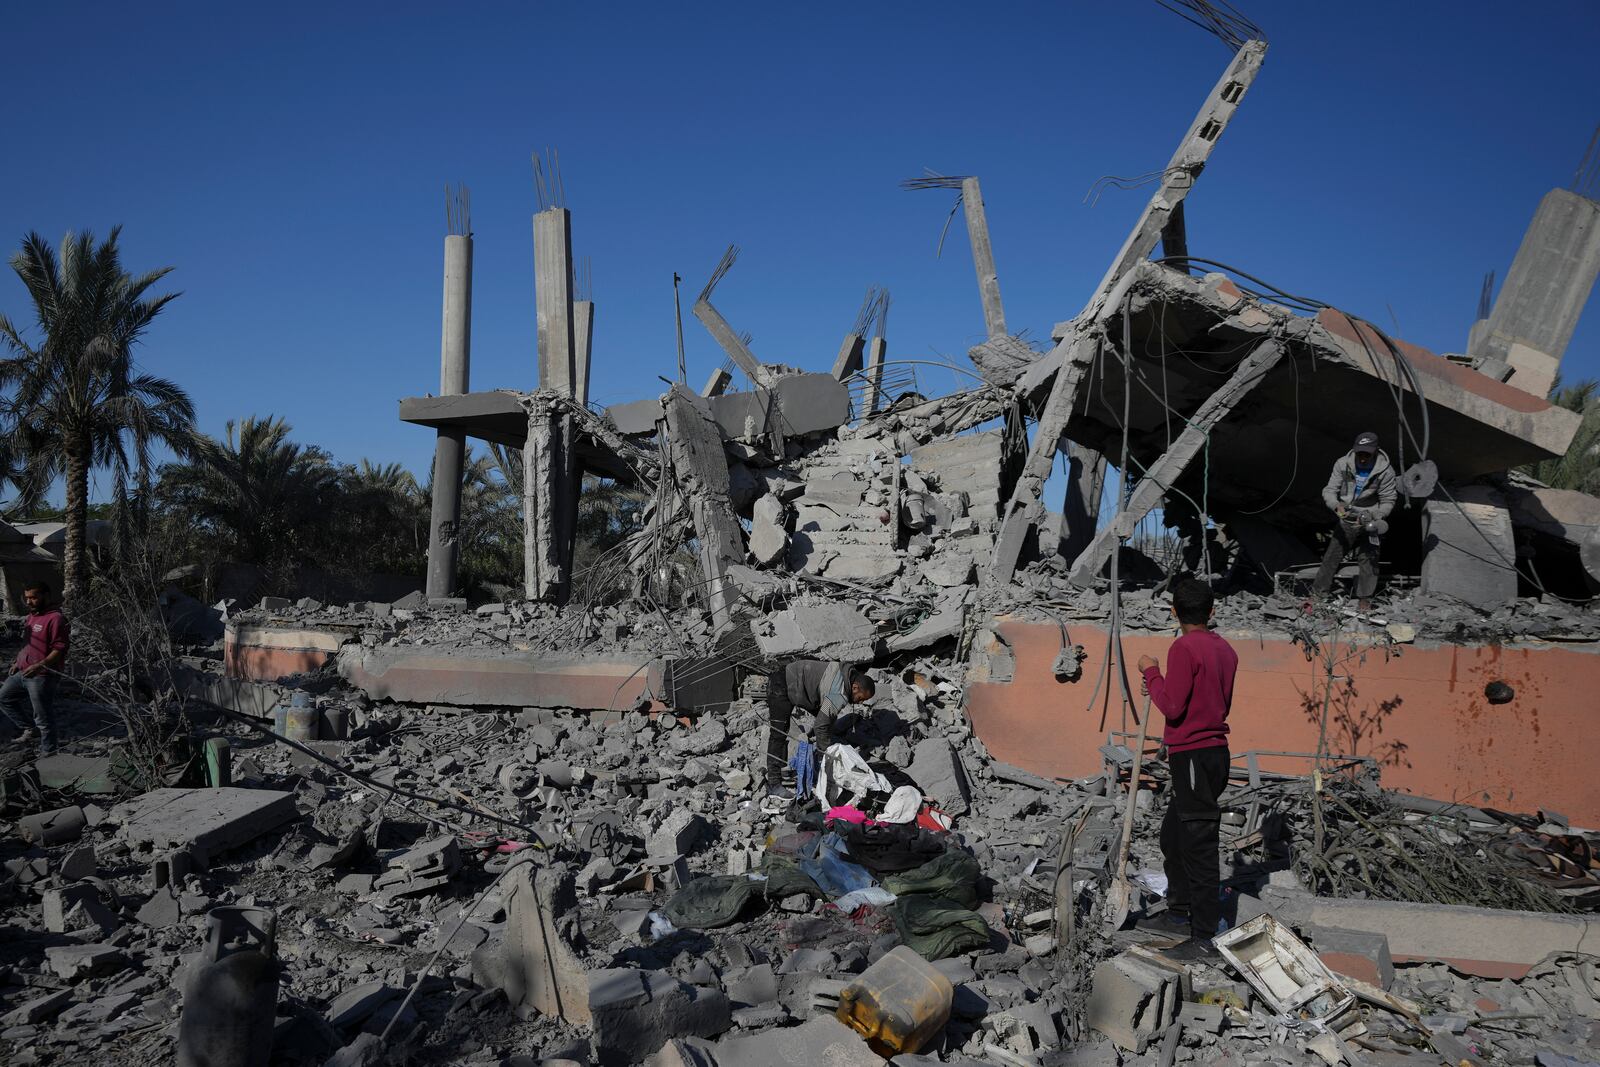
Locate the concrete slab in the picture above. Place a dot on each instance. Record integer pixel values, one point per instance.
(470, 678)
(1481, 941)
(212, 820)
(263, 652)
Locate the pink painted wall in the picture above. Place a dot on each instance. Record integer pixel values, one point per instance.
(1534, 752)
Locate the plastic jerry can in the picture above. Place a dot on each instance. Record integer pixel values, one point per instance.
(899, 1004)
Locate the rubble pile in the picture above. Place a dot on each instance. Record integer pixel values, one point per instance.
(612, 888)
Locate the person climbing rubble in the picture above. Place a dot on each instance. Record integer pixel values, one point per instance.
(822, 687)
(1361, 492)
(1194, 697)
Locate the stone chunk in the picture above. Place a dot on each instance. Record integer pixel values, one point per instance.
(769, 541)
(633, 1013)
(677, 835)
(80, 863)
(936, 769)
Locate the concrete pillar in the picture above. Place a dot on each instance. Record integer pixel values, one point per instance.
(994, 316)
(870, 397)
(1080, 508)
(552, 280)
(1186, 163)
(717, 384)
(850, 355)
(449, 451)
(701, 467)
(583, 344)
(1544, 292)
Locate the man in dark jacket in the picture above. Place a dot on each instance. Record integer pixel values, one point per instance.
(1361, 492)
(818, 686)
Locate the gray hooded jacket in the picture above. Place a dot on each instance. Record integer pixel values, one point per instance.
(1377, 495)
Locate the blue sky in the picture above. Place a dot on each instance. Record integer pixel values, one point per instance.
(289, 161)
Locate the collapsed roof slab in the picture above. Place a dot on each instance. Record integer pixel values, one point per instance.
(1272, 451)
(498, 417)
(805, 403)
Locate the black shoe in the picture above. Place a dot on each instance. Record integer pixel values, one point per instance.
(1168, 922)
(1194, 950)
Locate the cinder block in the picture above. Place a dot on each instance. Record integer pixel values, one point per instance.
(1358, 954)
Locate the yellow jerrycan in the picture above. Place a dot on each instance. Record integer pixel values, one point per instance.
(898, 1004)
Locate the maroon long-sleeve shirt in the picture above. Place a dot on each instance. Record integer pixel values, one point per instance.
(1196, 693)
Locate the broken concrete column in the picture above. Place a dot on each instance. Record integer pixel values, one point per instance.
(994, 316)
(717, 383)
(1544, 292)
(874, 390)
(536, 964)
(1193, 151)
(449, 452)
(552, 269)
(1080, 506)
(582, 347)
(1468, 549)
(695, 445)
(849, 359)
(547, 501)
(1154, 483)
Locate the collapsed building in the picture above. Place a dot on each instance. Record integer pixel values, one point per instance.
(490, 852)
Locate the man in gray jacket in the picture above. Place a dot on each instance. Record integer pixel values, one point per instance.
(814, 685)
(1361, 492)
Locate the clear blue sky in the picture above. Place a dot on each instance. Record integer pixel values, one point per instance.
(289, 159)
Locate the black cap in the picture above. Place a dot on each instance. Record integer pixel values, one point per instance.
(1366, 442)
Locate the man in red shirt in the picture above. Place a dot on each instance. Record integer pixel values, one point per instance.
(1194, 698)
(34, 676)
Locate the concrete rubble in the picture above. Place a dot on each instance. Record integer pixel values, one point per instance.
(537, 830)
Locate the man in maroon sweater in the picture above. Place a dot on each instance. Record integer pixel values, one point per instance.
(31, 687)
(1194, 697)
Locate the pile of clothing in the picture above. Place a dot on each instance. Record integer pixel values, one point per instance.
(902, 861)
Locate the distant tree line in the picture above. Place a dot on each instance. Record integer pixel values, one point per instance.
(73, 401)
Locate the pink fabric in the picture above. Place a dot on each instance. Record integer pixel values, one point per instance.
(847, 814)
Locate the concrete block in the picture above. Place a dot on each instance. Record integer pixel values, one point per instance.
(84, 961)
(678, 834)
(632, 1013)
(936, 768)
(210, 820)
(1469, 549)
(1360, 954)
(1134, 997)
(948, 569)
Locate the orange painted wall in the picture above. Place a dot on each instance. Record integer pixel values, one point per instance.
(1535, 752)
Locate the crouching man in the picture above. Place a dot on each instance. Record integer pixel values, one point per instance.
(819, 686)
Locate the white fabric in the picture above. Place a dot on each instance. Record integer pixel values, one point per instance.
(844, 778)
(903, 805)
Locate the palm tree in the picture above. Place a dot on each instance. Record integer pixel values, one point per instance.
(264, 498)
(1579, 468)
(76, 401)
